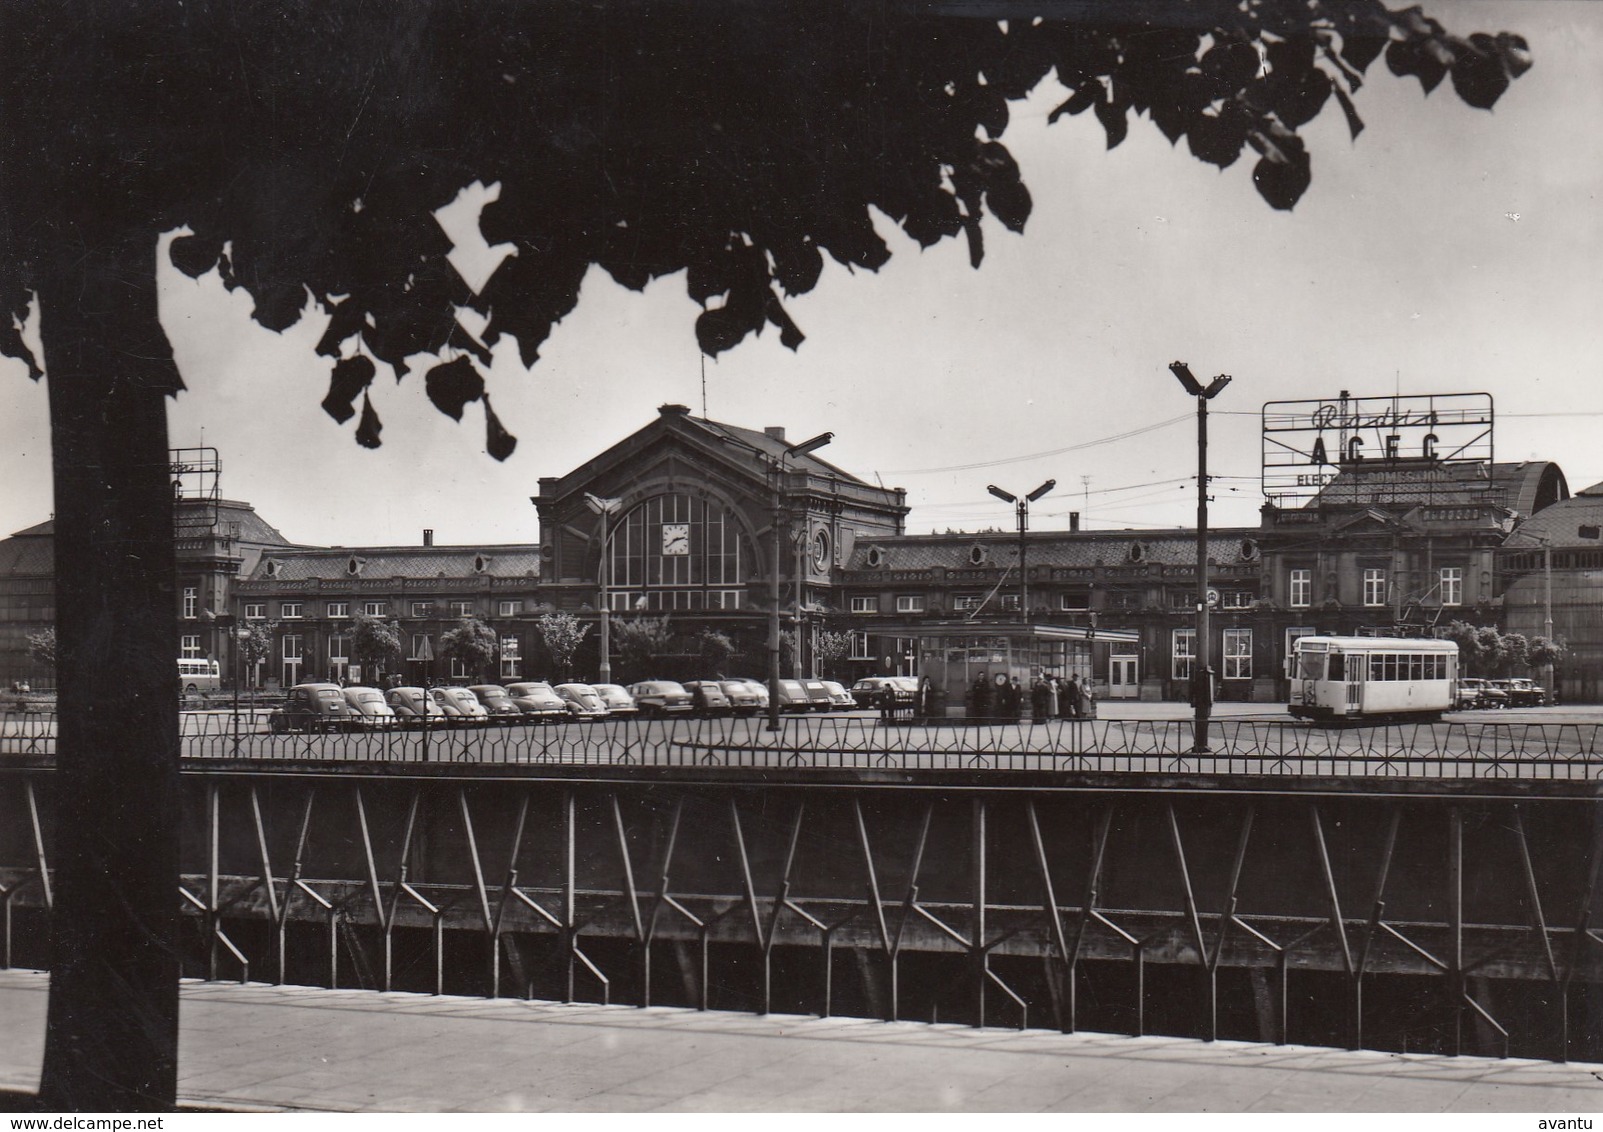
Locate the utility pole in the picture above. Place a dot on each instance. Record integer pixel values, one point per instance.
(1202, 677)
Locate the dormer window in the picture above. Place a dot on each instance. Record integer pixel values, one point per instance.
(1137, 552)
(481, 563)
(876, 557)
(353, 565)
(1249, 550)
(977, 555)
(272, 568)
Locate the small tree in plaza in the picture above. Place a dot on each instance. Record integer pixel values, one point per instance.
(715, 648)
(375, 645)
(638, 641)
(562, 634)
(472, 644)
(1544, 651)
(42, 647)
(254, 642)
(829, 649)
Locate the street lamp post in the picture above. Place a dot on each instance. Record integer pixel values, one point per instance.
(1021, 508)
(1202, 677)
(778, 469)
(604, 508)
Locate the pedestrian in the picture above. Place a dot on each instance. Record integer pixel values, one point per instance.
(1069, 700)
(1038, 699)
(887, 703)
(1015, 699)
(1051, 697)
(1001, 696)
(1087, 705)
(925, 704)
(979, 701)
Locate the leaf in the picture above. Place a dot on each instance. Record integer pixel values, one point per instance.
(1355, 124)
(1085, 96)
(349, 377)
(1405, 58)
(1112, 117)
(195, 255)
(498, 442)
(1478, 76)
(452, 385)
(369, 428)
(1282, 182)
(1217, 139)
(790, 334)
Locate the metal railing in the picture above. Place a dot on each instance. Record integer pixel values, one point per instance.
(1456, 750)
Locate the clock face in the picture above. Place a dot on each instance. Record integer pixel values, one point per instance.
(821, 550)
(676, 538)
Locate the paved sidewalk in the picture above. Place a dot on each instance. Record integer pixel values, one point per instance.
(261, 1047)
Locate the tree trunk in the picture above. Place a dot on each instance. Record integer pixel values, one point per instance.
(112, 1039)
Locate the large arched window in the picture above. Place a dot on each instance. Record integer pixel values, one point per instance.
(678, 552)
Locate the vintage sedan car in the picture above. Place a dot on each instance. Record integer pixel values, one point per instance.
(818, 696)
(413, 707)
(539, 701)
(746, 697)
(708, 697)
(583, 701)
(617, 698)
(1474, 692)
(313, 707)
(794, 697)
(658, 698)
(866, 691)
(839, 698)
(1521, 692)
(497, 703)
(461, 707)
(368, 707)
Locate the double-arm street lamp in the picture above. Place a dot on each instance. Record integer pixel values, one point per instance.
(1202, 676)
(604, 508)
(1021, 508)
(778, 468)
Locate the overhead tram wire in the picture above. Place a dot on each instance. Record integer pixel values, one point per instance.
(1037, 455)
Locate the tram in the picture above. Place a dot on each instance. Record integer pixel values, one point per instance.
(1335, 679)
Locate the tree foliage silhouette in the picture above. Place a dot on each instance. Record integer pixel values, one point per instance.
(302, 149)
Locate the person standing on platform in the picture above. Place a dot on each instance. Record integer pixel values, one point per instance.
(1052, 692)
(1069, 699)
(980, 697)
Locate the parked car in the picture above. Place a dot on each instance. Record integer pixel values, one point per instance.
(794, 697)
(617, 698)
(817, 695)
(497, 703)
(312, 707)
(583, 701)
(413, 707)
(708, 697)
(661, 697)
(369, 708)
(1521, 692)
(745, 697)
(461, 707)
(1474, 692)
(839, 698)
(866, 691)
(538, 700)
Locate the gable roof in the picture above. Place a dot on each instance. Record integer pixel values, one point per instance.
(1168, 547)
(292, 564)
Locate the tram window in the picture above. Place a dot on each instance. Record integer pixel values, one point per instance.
(1377, 667)
(1338, 665)
(1312, 664)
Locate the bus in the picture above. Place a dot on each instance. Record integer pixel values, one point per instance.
(1371, 678)
(196, 675)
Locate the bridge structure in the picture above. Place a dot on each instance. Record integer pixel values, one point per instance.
(1428, 887)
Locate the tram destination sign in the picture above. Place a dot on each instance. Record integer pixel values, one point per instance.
(1378, 448)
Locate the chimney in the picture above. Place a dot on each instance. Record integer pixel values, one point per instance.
(428, 536)
(674, 410)
(775, 432)
(1074, 520)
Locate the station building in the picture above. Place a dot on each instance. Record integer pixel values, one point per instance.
(711, 525)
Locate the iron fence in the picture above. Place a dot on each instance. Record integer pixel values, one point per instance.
(1454, 750)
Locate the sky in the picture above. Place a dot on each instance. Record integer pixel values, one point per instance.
(1445, 250)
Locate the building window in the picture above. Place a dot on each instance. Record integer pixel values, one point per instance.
(421, 608)
(290, 669)
(461, 609)
(909, 603)
(860, 646)
(1238, 599)
(189, 647)
(1238, 654)
(1185, 652)
(375, 608)
(1452, 585)
(420, 647)
(339, 610)
(459, 671)
(1301, 589)
(510, 660)
(191, 602)
(511, 608)
(1010, 602)
(1374, 586)
(289, 610)
(964, 603)
(680, 551)
(869, 604)
(255, 611)
(339, 657)
(1074, 601)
